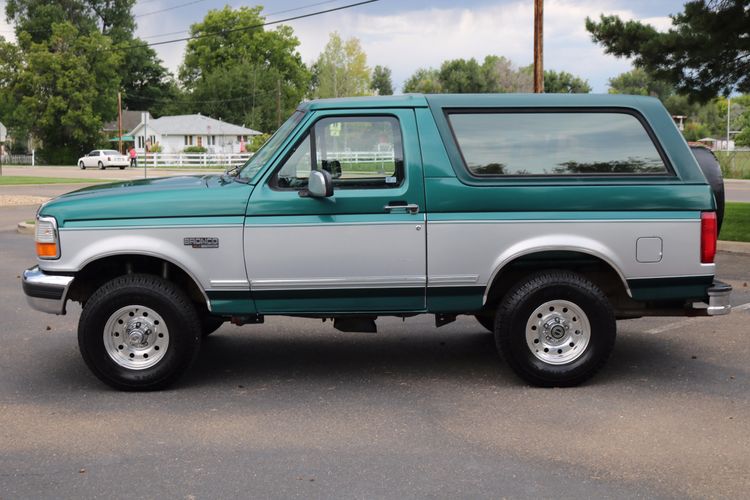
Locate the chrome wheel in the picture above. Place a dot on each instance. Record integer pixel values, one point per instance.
(558, 332)
(136, 337)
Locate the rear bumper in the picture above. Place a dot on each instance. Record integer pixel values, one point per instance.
(46, 292)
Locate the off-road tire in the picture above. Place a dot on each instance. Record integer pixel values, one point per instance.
(166, 300)
(519, 309)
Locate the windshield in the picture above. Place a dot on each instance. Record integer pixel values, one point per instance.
(254, 164)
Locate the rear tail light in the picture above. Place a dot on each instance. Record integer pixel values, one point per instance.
(45, 238)
(709, 234)
(109, 158)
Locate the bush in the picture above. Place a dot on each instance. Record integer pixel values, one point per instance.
(194, 149)
(155, 148)
(256, 142)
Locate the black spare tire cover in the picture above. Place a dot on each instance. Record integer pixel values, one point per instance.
(712, 170)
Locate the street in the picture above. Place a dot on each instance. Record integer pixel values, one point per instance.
(294, 408)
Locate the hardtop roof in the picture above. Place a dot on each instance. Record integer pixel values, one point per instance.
(481, 100)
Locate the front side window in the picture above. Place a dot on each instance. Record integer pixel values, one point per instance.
(555, 144)
(358, 152)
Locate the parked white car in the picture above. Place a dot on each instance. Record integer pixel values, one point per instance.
(104, 158)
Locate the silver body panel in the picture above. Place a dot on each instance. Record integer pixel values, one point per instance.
(221, 268)
(463, 248)
(372, 254)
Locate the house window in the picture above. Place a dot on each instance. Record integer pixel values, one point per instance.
(211, 140)
(140, 142)
(241, 138)
(200, 141)
(188, 140)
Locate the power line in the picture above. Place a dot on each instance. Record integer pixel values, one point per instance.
(168, 8)
(246, 28)
(160, 35)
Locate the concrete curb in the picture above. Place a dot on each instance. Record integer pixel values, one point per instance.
(734, 247)
(26, 228)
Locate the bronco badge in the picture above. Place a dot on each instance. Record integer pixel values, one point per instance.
(202, 242)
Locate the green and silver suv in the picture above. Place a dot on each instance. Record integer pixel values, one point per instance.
(547, 217)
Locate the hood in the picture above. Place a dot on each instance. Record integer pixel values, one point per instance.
(181, 196)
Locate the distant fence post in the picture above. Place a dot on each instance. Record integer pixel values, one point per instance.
(33, 157)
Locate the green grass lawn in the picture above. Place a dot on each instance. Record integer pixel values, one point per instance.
(736, 226)
(13, 180)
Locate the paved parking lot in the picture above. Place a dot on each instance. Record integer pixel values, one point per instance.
(294, 408)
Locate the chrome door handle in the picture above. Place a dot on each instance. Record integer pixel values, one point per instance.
(411, 208)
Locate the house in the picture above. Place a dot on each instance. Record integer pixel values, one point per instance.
(130, 119)
(175, 133)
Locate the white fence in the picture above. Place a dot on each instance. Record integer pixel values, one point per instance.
(361, 156)
(193, 160)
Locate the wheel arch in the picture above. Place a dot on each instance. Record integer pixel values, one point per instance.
(95, 272)
(596, 265)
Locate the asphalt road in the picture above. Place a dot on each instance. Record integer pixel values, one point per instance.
(293, 408)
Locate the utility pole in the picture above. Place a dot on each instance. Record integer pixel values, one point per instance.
(119, 122)
(278, 105)
(538, 46)
(729, 113)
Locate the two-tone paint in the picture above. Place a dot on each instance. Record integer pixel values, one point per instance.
(279, 253)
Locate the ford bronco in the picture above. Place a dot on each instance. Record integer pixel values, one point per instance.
(547, 217)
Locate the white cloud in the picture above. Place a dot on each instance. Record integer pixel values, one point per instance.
(422, 38)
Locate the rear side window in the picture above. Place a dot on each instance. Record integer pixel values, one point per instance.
(557, 144)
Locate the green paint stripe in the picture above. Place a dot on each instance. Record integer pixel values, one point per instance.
(678, 288)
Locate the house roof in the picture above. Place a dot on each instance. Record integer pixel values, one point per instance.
(130, 120)
(194, 125)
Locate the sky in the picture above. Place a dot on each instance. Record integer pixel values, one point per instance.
(409, 34)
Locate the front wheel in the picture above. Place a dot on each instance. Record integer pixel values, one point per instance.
(139, 332)
(101, 166)
(555, 329)
(81, 165)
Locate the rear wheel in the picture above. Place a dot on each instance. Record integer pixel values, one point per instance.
(555, 329)
(139, 332)
(122, 167)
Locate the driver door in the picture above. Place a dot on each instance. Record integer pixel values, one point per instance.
(363, 249)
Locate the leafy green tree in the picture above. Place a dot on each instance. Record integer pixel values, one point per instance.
(704, 53)
(638, 82)
(145, 82)
(63, 90)
(341, 69)
(461, 76)
(381, 80)
(564, 83)
(249, 76)
(424, 81)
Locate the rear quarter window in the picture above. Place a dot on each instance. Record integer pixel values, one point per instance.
(555, 144)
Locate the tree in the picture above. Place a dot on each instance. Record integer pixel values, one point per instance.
(243, 75)
(638, 82)
(341, 69)
(564, 83)
(145, 82)
(381, 80)
(704, 53)
(424, 81)
(496, 74)
(502, 76)
(63, 89)
(459, 76)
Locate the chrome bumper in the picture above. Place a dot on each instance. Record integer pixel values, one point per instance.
(46, 292)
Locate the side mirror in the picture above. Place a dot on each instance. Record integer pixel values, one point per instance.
(320, 185)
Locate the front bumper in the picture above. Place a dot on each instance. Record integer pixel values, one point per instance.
(46, 292)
